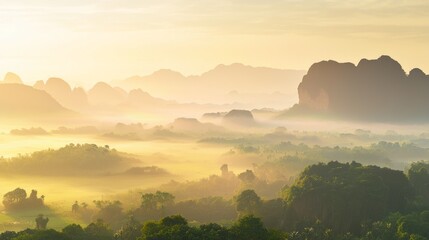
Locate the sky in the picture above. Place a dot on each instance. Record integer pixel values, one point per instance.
(86, 41)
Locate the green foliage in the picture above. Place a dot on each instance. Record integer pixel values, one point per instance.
(42, 235)
(173, 221)
(273, 213)
(131, 230)
(316, 231)
(8, 235)
(205, 210)
(249, 228)
(74, 232)
(158, 200)
(343, 196)
(99, 231)
(381, 230)
(81, 159)
(418, 175)
(213, 231)
(328, 201)
(14, 198)
(248, 202)
(414, 226)
(154, 206)
(173, 227)
(247, 177)
(177, 228)
(17, 200)
(110, 212)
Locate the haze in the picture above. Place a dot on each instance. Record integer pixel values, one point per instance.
(221, 120)
(89, 41)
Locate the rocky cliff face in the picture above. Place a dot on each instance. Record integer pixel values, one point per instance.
(377, 90)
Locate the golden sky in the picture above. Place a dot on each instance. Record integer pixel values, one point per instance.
(84, 41)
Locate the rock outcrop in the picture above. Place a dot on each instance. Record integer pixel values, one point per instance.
(374, 90)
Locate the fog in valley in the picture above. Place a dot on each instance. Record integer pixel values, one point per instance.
(114, 150)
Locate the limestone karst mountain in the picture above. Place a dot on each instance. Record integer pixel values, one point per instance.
(104, 94)
(11, 78)
(373, 90)
(192, 125)
(75, 99)
(223, 84)
(239, 118)
(18, 100)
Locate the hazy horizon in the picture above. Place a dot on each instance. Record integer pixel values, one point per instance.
(31, 80)
(220, 120)
(90, 41)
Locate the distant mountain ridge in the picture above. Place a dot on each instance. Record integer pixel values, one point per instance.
(220, 89)
(18, 100)
(372, 90)
(101, 101)
(213, 86)
(75, 98)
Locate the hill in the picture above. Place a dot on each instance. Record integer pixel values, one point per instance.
(373, 90)
(72, 160)
(11, 78)
(227, 84)
(17, 100)
(75, 99)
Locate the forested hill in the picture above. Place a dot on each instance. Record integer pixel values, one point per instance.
(328, 201)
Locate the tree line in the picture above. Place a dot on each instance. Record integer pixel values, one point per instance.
(328, 201)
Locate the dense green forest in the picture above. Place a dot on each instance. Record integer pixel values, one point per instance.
(327, 201)
(73, 160)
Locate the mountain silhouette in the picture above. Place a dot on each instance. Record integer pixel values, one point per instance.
(193, 125)
(239, 118)
(101, 100)
(104, 94)
(18, 100)
(373, 90)
(11, 78)
(59, 89)
(215, 85)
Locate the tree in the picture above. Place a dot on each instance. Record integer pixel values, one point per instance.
(41, 222)
(164, 199)
(273, 213)
(247, 177)
(414, 226)
(8, 235)
(157, 201)
(315, 231)
(75, 207)
(345, 195)
(110, 212)
(14, 198)
(17, 200)
(249, 228)
(419, 179)
(248, 202)
(169, 228)
(75, 232)
(213, 231)
(42, 235)
(380, 230)
(131, 230)
(99, 231)
(173, 221)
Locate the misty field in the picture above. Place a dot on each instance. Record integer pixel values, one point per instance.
(190, 166)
